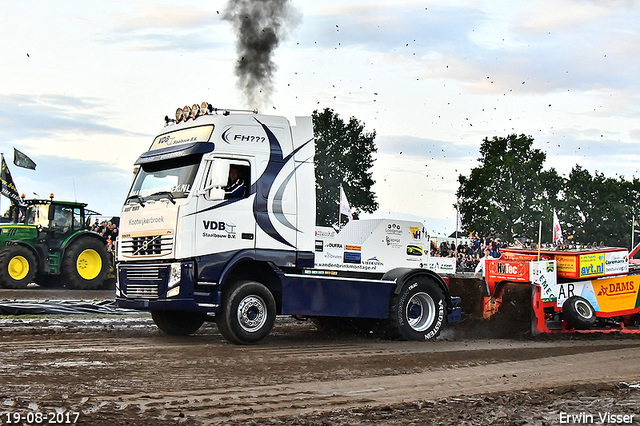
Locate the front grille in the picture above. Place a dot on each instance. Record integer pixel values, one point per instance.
(142, 291)
(143, 273)
(151, 245)
(143, 281)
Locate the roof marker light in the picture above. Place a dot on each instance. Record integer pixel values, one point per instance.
(195, 111)
(186, 112)
(205, 108)
(178, 115)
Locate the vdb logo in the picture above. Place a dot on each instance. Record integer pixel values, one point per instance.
(212, 225)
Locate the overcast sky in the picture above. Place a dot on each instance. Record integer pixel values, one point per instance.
(85, 85)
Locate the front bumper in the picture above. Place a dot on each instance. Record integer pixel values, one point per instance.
(165, 286)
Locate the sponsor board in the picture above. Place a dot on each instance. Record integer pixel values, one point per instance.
(606, 295)
(543, 273)
(417, 233)
(191, 135)
(591, 264)
(352, 257)
(393, 229)
(441, 265)
(511, 270)
(393, 242)
(566, 265)
(616, 262)
(414, 250)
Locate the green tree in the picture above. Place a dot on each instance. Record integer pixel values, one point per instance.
(344, 156)
(598, 209)
(509, 193)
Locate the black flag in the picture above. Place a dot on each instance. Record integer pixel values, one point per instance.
(8, 187)
(21, 160)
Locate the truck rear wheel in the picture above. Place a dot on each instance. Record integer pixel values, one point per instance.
(579, 313)
(17, 267)
(85, 264)
(178, 323)
(417, 312)
(247, 314)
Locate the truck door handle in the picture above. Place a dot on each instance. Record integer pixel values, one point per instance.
(246, 236)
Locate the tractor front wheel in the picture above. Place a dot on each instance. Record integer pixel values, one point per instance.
(17, 267)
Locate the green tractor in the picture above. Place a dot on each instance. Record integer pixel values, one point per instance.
(50, 243)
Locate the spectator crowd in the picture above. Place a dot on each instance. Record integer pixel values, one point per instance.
(108, 230)
(467, 254)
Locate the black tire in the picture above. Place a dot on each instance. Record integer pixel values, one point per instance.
(247, 314)
(178, 323)
(579, 313)
(417, 312)
(17, 267)
(85, 264)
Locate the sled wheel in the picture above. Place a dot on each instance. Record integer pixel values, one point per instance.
(178, 323)
(86, 264)
(247, 314)
(17, 267)
(417, 312)
(579, 313)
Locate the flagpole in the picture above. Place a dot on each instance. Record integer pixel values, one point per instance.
(457, 220)
(633, 229)
(539, 239)
(339, 205)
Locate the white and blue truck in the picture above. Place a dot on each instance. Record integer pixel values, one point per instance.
(188, 252)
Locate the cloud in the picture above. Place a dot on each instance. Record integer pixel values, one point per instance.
(94, 182)
(26, 116)
(406, 26)
(149, 27)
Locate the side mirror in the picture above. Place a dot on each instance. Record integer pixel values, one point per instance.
(216, 194)
(218, 175)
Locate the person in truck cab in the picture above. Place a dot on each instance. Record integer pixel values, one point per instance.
(235, 187)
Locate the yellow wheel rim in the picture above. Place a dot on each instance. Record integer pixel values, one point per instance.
(89, 264)
(18, 268)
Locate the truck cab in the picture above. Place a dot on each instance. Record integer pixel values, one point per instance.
(194, 248)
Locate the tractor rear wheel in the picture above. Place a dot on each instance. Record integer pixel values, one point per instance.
(86, 264)
(17, 267)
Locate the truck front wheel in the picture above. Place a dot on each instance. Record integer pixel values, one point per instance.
(417, 312)
(247, 314)
(85, 264)
(17, 267)
(178, 323)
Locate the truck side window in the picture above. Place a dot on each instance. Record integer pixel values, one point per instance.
(238, 177)
(237, 185)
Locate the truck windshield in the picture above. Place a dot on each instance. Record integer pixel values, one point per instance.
(173, 176)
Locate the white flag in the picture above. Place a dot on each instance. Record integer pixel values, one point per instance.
(557, 231)
(344, 204)
(459, 224)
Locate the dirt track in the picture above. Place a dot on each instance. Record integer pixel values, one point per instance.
(122, 370)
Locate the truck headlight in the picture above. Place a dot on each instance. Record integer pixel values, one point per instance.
(175, 275)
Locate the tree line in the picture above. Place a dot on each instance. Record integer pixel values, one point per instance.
(506, 196)
(509, 193)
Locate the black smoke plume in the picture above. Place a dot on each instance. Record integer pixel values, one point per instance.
(260, 26)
